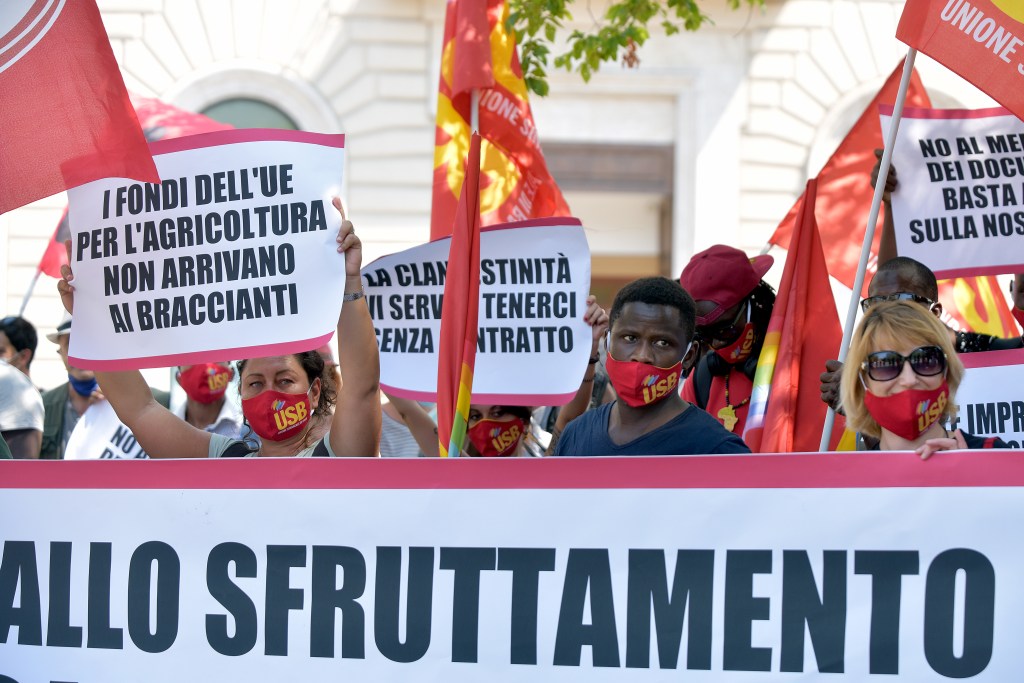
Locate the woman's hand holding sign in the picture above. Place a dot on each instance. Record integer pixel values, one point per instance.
(349, 245)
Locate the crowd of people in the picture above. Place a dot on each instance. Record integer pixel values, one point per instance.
(671, 373)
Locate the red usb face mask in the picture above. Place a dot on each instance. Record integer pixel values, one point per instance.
(909, 413)
(640, 384)
(205, 383)
(275, 415)
(497, 438)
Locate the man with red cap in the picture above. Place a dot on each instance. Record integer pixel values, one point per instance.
(733, 308)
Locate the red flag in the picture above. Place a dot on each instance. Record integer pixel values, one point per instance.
(786, 411)
(159, 121)
(459, 313)
(844, 193)
(515, 184)
(843, 206)
(162, 121)
(978, 39)
(66, 118)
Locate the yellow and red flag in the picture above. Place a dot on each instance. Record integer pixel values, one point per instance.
(844, 202)
(459, 313)
(786, 411)
(978, 39)
(515, 185)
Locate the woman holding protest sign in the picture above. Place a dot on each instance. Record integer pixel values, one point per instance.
(286, 400)
(900, 380)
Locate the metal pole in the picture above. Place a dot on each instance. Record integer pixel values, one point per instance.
(869, 233)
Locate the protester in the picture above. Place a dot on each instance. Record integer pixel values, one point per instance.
(734, 306)
(510, 430)
(65, 404)
(904, 279)
(405, 426)
(21, 413)
(900, 380)
(18, 342)
(651, 344)
(283, 397)
(206, 405)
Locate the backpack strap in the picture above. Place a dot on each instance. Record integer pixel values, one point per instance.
(237, 449)
(702, 383)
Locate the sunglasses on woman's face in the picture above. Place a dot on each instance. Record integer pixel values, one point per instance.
(884, 366)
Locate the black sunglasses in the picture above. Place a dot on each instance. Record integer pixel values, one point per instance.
(725, 332)
(885, 366)
(866, 304)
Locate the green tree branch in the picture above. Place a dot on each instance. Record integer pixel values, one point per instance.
(617, 35)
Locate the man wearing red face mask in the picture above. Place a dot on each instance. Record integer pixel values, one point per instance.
(733, 308)
(650, 345)
(206, 406)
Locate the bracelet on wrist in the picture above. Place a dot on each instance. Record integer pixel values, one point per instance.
(352, 296)
(594, 359)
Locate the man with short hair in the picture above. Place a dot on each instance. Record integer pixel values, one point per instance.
(650, 345)
(18, 342)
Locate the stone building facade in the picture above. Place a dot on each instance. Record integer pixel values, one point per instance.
(710, 140)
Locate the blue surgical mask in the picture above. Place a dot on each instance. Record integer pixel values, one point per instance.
(83, 387)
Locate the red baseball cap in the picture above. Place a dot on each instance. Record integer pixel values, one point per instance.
(724, 276)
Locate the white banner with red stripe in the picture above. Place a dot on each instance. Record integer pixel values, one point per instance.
(990, 399)
(754, 568)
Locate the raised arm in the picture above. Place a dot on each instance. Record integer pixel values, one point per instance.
(597, 318)
(158, 431)
(355, 429)
(887, 243)
(419, 423)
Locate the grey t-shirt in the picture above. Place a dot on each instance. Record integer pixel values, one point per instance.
(21, 405)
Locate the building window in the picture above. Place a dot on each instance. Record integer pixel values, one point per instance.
(244, 112)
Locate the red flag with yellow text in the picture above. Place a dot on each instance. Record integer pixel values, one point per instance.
(979, 39)
(459, 314)
(844, 203)
(65, 119)
(479, 54)
(786, 411)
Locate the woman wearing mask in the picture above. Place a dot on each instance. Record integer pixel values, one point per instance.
(506, 430)
(284, 398)
(900, 380)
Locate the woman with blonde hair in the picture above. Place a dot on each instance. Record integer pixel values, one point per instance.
(900, 380)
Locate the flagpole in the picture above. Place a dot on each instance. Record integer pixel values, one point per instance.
(474, 110)
(869, 233)
(28, 295)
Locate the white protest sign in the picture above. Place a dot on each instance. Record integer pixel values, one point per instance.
(991, 395)
(716, 569)
(233, 255)
(100, 435)
(959, 208)
(533, 343)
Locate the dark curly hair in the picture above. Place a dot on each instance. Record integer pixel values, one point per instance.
(762, 301)
(314, 367)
